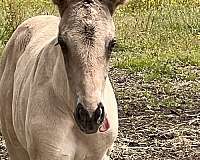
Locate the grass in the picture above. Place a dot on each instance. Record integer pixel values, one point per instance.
(158, 39)
(155, 37)
(14, 12)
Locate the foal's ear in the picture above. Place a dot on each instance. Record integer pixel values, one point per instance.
(113, 4)
(58, 2)
(62, 4)
(120, 1)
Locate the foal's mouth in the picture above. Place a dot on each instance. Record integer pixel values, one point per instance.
(105, 125)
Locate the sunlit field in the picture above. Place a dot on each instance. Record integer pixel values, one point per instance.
(155, 72)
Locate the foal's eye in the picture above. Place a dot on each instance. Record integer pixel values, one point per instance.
(61, 42)
(112, 45)
(64, 48)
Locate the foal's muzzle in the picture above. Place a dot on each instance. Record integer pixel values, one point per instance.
(89, 123)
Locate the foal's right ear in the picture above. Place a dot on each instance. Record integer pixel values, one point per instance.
(58, 2)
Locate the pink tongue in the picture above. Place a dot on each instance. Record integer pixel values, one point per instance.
(105, 125)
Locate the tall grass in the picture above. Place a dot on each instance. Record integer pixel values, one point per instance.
(13, 12)
(156, 37)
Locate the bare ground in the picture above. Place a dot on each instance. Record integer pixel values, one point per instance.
(159, 120)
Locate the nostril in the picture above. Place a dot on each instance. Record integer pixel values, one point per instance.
(99, 113)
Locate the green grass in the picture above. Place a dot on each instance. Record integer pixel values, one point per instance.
(158, 39)
(14, 12)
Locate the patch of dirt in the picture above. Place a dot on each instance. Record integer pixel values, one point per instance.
(158, 120)
(3, 150)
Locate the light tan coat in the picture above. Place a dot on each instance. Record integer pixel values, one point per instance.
(37, 122)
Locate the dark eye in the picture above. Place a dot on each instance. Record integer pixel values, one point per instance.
(61, 42)
(112, 45)
(64, 48)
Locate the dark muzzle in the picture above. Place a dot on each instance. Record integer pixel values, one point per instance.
(89, 123)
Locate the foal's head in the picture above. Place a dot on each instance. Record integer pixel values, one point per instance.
(87, 38)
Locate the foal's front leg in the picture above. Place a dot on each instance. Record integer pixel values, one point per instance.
(50, 143)
(41, 151)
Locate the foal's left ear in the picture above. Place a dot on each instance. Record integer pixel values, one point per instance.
(59, 2)
(62, 4)
(120, 1)
(113, 4)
